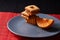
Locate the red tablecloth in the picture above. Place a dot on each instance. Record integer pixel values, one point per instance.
(5, 34)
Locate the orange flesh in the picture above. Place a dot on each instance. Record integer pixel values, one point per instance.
(44, 23)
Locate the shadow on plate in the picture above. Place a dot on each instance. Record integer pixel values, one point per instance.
(53, 28)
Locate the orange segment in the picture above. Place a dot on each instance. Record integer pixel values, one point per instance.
(44, 22)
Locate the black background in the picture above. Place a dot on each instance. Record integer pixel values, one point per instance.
(46, 6)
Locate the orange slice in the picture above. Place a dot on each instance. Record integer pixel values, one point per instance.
(44, 22)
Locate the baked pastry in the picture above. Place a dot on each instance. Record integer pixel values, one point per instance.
(25, 17)
(25, 13)
(33, 9)
(31, 20)
(44, 22)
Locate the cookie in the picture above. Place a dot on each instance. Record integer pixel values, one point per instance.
(33, 9)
